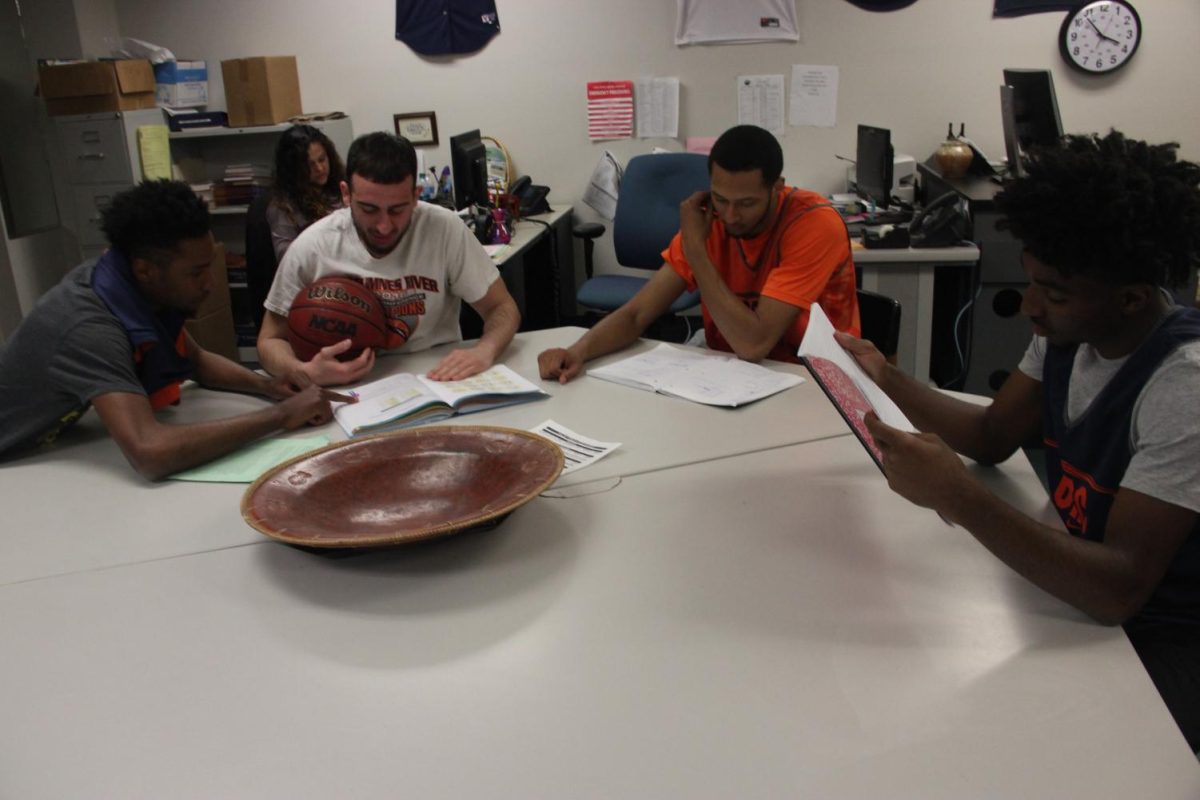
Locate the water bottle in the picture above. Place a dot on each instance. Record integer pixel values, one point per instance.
(425, 186)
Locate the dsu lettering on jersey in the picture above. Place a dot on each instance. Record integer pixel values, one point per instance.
(1072, 494)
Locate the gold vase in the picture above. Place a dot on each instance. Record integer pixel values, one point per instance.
(953, 157)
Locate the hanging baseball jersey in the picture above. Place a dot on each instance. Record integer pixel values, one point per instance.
(446, 27)
(723, 22)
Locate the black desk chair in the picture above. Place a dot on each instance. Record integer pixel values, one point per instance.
(260, 255)
(880, 318)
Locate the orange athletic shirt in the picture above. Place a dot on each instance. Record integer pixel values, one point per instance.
(801, 259)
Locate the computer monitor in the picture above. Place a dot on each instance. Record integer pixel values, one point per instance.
(1008, 119)
(468, 163)
(1034, 107)
(873, 164)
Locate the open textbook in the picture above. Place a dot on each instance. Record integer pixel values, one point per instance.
(850, 388)
(695, 375)
(404, 399)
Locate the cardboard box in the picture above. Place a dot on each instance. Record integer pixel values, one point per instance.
(214, 332)
(212, 327)
(264, 90)
(181, 84)
(91, 87)
(219, 294)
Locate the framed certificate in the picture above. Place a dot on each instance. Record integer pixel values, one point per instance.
(419, 128)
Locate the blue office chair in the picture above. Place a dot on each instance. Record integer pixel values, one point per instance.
(647, 218)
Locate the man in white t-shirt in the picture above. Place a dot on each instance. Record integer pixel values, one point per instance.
(1109, 384)
(418, 258)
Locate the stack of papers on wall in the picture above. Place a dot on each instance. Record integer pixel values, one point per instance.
(696, 375)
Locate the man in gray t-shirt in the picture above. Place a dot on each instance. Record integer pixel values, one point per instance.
(111, 335)
(1109, 384)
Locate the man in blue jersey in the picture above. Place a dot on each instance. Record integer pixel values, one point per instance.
(1109, 382)
(111, 336)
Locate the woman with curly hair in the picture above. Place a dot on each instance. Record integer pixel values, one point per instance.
(308, 177)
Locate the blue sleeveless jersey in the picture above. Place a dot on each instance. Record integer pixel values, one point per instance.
(1086, 461)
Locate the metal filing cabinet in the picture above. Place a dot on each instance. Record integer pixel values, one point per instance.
(101, 158)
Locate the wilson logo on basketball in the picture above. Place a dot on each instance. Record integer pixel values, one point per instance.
(317, 291)
(331, 310)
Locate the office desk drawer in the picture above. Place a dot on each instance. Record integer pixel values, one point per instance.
(95, 150)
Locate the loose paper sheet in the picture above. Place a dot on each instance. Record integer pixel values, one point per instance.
(760, 101)
(814, 96)
(602, 189)
(578, 451)
(245, 465)
(657, 107)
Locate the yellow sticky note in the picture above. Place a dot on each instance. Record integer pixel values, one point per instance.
(155, 149)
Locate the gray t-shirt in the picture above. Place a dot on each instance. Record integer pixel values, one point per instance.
(1165, 435)
(69, 350)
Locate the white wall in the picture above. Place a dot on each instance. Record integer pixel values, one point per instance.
(98, 27)
(911, 70)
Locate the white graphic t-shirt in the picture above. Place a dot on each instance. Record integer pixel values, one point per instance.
(437, 264)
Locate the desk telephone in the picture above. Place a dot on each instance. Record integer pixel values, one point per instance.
(532, 196)
(942, 223)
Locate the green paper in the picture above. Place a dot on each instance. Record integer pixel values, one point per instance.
(245, 465)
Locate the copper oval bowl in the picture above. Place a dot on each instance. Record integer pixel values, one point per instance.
(406, 486)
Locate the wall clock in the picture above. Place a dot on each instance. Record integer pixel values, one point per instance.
(1101, 36)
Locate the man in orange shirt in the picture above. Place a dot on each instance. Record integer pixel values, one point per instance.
(761, 253)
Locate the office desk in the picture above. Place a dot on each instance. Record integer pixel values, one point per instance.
(776, 624)
(906, 274)
(538, 267)
(80, 506)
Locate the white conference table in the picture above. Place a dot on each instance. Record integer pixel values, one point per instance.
(772, 624)
(80, 506)
(907, 274)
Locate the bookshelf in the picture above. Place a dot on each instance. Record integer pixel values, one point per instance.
(200, 156)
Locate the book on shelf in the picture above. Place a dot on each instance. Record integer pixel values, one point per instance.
(405, 399)
(696, 375)
(237, 194)
(846, 384)
(247, 170)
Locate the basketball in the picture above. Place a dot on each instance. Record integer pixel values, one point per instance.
(332, 309)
